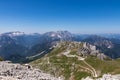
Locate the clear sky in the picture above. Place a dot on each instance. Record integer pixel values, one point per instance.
(77, 16)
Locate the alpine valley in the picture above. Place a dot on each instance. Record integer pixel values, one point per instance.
(63, 54)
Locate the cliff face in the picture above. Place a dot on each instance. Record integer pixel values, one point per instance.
(10, 71)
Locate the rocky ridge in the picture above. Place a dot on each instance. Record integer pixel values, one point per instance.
(70, 59)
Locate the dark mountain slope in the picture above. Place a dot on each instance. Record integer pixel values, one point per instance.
(110, 47)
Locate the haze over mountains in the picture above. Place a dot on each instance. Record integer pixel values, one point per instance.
(63, 54)
(18, 45)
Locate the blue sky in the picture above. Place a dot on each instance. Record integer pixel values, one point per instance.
(77, 16)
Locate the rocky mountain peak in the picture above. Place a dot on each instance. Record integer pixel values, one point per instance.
(99, 41)
(61, 35)
(14, 33)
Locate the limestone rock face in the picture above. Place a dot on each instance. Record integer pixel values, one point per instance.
(10, 71)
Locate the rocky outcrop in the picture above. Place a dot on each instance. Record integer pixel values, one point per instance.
(105, 77)
(10, 71)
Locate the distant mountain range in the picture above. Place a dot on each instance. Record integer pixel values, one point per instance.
(16, 46)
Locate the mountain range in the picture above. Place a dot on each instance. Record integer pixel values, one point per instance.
(16, 46)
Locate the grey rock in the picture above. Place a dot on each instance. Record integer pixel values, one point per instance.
(10, 71)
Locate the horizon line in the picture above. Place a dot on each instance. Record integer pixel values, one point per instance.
(61, 30)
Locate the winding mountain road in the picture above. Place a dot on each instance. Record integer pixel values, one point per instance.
(91, 69)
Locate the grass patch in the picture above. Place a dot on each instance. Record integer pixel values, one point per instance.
(112, 66)
(79, 75)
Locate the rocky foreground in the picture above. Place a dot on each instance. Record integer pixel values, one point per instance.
(105, 77)
(10, 71)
